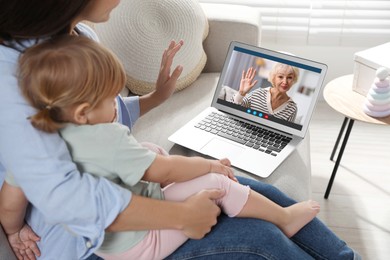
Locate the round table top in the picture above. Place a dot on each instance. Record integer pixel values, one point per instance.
(339, 95)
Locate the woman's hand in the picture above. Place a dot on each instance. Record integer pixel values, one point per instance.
(166, 82)
(223, 166)
(200, 213)
(247, 82)
(24, 243)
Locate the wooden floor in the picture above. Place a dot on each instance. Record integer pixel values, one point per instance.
(358, 208)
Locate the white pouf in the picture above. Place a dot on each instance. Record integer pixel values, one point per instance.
(139, 31)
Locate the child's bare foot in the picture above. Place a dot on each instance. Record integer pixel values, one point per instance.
(299, 215)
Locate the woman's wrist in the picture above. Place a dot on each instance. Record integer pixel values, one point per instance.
(239, 97)
(242, 93)
(148, 102)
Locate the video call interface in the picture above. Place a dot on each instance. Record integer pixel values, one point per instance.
(302, 92)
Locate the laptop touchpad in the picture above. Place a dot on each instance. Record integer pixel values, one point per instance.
(220, 149)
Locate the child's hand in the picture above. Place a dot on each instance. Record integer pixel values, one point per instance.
(223, 166)
(166, 82)
(24, 243)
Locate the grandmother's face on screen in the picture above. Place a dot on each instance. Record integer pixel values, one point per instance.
(283, 79)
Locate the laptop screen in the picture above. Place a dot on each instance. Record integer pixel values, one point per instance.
(269, 87)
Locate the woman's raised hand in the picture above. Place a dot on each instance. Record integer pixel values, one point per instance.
(166, 82)
(247, 82)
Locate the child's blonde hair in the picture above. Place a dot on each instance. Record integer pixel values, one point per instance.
(66, 71)
(283, 67)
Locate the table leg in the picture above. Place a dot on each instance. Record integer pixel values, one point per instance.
(336, 145)
(340, 155)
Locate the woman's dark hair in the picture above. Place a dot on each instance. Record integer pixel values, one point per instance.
(31, 19)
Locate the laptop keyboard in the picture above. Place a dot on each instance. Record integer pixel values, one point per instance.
(241, 132)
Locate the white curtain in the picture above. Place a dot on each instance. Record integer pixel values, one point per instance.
(322, 22)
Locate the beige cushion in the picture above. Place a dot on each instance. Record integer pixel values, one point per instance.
(139, 31)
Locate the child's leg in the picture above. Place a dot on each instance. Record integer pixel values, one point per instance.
(232, 203)
(240, 201)
(289, 219)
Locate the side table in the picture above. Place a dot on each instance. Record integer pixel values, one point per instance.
(339, 95)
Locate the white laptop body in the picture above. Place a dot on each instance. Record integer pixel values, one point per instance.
(247, 148)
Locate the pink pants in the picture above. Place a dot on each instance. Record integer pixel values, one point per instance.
(158, 244)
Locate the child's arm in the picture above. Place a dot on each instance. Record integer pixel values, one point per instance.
(175, 168)
(13, 206)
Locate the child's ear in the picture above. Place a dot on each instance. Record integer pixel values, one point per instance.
(80, 114)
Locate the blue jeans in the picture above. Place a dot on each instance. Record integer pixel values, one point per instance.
(245, 238)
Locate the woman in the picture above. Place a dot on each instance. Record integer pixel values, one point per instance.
(76, 219)
(272, 100)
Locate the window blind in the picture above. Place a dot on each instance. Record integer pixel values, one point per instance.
(322, 22)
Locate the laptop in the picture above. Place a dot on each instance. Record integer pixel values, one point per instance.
(254, 140)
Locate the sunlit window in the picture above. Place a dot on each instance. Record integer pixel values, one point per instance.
(322, 22)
